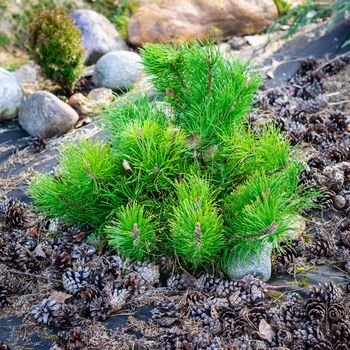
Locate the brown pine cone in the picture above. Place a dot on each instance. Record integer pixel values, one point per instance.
(100, 306)
(13, 213)
(74, 280)
(3, 346)
(315, 311)
(345, 238)
(60, 260)
(74, 339)
(322, 245)
(336, 312)
(328, 293)
(3, 297)
(164, 313)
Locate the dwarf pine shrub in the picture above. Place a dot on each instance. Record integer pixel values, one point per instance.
(55, 44)
(196, 183)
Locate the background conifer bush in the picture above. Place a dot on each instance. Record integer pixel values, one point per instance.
(196, 184)
(55, 44)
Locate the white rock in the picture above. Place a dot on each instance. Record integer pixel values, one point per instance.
(118, 70)
(11, 95)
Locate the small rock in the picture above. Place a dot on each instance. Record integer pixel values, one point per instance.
(11, 95)
(339, 202)
(117, 70)
(44, 115)
(80, 103)
(257, 265)
(99, 34)
(257, 40)
(101, 96)
(236, 42)
(29, 89)
(29, 73)
(297, 227)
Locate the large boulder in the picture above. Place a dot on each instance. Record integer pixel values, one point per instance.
(197, 19)
(44, 115)
(118, 70)
(11, 95)
(99, 34)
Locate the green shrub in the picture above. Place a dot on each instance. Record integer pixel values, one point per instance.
(196, 183)
(55, 44)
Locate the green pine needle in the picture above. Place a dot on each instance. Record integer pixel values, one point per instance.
(134, 233)
(79, 193)
(247, 151)
(196, 226)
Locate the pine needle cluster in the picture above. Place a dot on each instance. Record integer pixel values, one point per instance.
(196, 183)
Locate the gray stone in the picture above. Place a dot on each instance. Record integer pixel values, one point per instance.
(117, 70)
(11, 95)
(29, 73)
(99, 34)
(258, 265)
(44, 115)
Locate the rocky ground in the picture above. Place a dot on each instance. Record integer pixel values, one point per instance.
(61, 291)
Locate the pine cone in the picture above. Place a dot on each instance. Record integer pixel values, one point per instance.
(16, 256)
(100, 306)
(339, 119)
(322, 245)
(335, 66)
(203, 340)
(74, 339)
(327, 293)
(336, 312)
(12, 283)
(13, 213)
(118, 299)
(74, 281)
(338, 153)
(115, 265)
(340, 330)
(317, 163)
(37, 145)
(241, 327)
(321, 344)
(3, 346)
(256, 314)
(175, 338)
(316, 134)
(147, 272)
(284, 337)
(74, 235)
(135, 284)
(177, 282)
(60, 261)
(345, 238)
(208, 315)
(51, 313)
(315, 311)
(165, 313)
(82, 253)
(3, 297)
